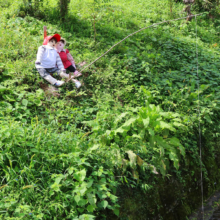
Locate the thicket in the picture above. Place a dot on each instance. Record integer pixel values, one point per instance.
(133, 124)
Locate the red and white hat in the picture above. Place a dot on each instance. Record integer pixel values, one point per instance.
(46, 39)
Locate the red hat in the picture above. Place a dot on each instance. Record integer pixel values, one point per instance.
(46, 39)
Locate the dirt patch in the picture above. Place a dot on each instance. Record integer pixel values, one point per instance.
(49, 90)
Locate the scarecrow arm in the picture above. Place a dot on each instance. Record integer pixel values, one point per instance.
(40, 53)
(70, 58)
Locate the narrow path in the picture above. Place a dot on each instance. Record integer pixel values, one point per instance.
(211, 209)
(216, 215)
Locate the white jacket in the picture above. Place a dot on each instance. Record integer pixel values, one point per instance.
(48, 58)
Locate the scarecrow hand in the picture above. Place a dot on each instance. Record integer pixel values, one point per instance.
(37, 63)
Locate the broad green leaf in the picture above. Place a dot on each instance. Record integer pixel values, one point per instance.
(174, 141)
(151, 132)
(175, 114)
(81, 210)
(82, 202)
(116, 211)
(40, 93)
(91, 198)
(182, 149)
(141, 133)
(121, 116)
(163, 125)
(38, 102)
(160, 141)
(2, 88)
(113, 198)
(101, 194)
(86, 216)
(128, 123)
(83, 187)
(177, 124)
(100, 171)
(7, 134)
(136, 136)
(77, 198)
(146, 122)
(89, 184)
(90, 208)
(96, 146)
(55, 187)
(24, 102)
(177, 119)
(59, 178)
(70, 170)
(102, 180)
(80, 175)
(119, 130)
(174, 158)
(165, 114)
(34, 150)
(104, 204)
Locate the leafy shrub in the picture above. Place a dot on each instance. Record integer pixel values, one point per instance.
(146, 131)
(53, 174)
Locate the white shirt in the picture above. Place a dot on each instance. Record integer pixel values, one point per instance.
(48, 58)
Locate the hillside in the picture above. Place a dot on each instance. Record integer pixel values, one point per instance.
(127, 142)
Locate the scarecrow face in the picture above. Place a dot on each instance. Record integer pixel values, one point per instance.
(59, 45)
(52, 43)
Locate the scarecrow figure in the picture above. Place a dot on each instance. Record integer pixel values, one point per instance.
(66, 58)
(48, 61)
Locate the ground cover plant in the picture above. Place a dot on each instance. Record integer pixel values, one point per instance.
(134, 124)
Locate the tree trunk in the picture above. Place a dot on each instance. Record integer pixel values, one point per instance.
(63, 7)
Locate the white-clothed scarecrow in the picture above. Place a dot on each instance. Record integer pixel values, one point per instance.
(48, 61)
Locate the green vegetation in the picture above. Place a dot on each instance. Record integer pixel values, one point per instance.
(132, 127)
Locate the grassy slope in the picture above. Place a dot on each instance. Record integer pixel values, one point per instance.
(41, 135)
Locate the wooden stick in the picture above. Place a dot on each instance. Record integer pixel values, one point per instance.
(162, 22)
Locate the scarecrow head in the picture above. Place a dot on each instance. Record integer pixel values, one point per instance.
(51, 40)
(60, 44)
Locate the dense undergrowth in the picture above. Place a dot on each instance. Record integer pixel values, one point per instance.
(133, 124)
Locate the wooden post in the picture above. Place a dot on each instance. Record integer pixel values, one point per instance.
(45, 32)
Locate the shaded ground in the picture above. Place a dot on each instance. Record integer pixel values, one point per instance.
(211, 209)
